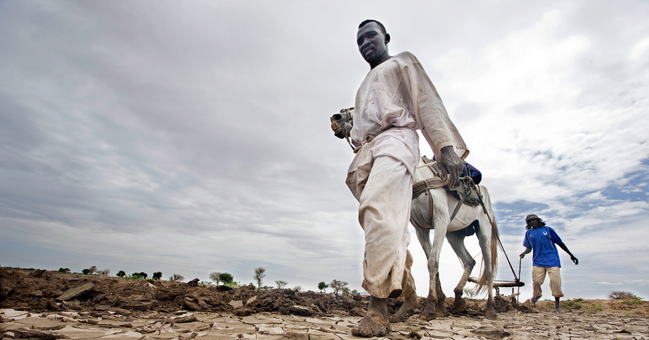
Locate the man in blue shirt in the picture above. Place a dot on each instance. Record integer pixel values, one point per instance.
(542, 240)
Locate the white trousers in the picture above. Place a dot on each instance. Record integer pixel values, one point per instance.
(384, 215)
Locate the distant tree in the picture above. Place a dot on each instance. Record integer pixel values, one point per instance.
(355, 292)
(92, 269)
(346, 291)
(157, 276)
(297, 288)
(86, 272)
(176, 278)
(280, 284)
(215, 277)
(104, 272)
(121, 273)
(226, 278)
(338, 286)
(64, 270)
(267, 288)
(260, 273)
(322, 286)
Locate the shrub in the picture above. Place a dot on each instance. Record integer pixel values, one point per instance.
(594, 308)
(157, 276)
(86, 272)
(215, 277)
(297, 288)
(620, 295)
(226, 278)
(573, 304)
(121, 273)
(141, 275)
(64, 270)
(176, 278)
(634, 300)
(280, 284)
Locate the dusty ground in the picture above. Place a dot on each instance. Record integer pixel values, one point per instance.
(50, 305)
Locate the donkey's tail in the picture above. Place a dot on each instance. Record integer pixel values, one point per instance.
(482, 284)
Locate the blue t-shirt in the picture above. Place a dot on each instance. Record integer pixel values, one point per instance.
(542, 241)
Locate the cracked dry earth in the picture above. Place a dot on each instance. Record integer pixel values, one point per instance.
(201, 325)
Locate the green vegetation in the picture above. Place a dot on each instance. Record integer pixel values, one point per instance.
(226, 278)
(572, 304)
(137, 276)
(322, 286)
(157, 276)
(141, 275)
(121, 273)
(593, 308)
(634, 300)
(64, 270)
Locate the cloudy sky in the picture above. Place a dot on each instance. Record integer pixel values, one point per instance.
(193, 137)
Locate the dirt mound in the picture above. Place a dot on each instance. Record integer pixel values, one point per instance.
(40, 290)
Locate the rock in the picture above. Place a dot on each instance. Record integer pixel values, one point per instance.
(77, 291)
(243, 312)
(37, 273)
(190, 305)
(300, 310)
(491, 333)
(236, 303)
(193, 283)
(42, 335)
(357, 311)
(184, 318)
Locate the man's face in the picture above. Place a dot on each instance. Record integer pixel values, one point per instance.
(371, 42)
(534, 223)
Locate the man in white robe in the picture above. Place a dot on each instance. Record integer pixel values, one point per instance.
(395, 99)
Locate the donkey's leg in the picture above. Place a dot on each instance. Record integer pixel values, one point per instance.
(484, 238)
(456, 240)
(435, 301)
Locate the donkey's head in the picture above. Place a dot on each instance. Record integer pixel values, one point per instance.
(342, 123)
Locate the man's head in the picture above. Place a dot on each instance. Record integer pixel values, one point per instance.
(533, 222)
(372, 41)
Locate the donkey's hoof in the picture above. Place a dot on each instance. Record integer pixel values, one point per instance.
(428, 315)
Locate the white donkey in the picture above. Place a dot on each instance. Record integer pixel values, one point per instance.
(443, 204)
(433, 209)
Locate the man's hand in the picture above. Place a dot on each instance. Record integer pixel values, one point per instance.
(522, 255)
(574, 259)
(451, 165)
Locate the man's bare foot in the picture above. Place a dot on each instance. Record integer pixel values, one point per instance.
(406, 309)
(535, 298)
(375, 322)
(559, 310)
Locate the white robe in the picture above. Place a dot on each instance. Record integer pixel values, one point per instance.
(395, 99)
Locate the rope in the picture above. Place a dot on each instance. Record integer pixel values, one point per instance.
(495, 233)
